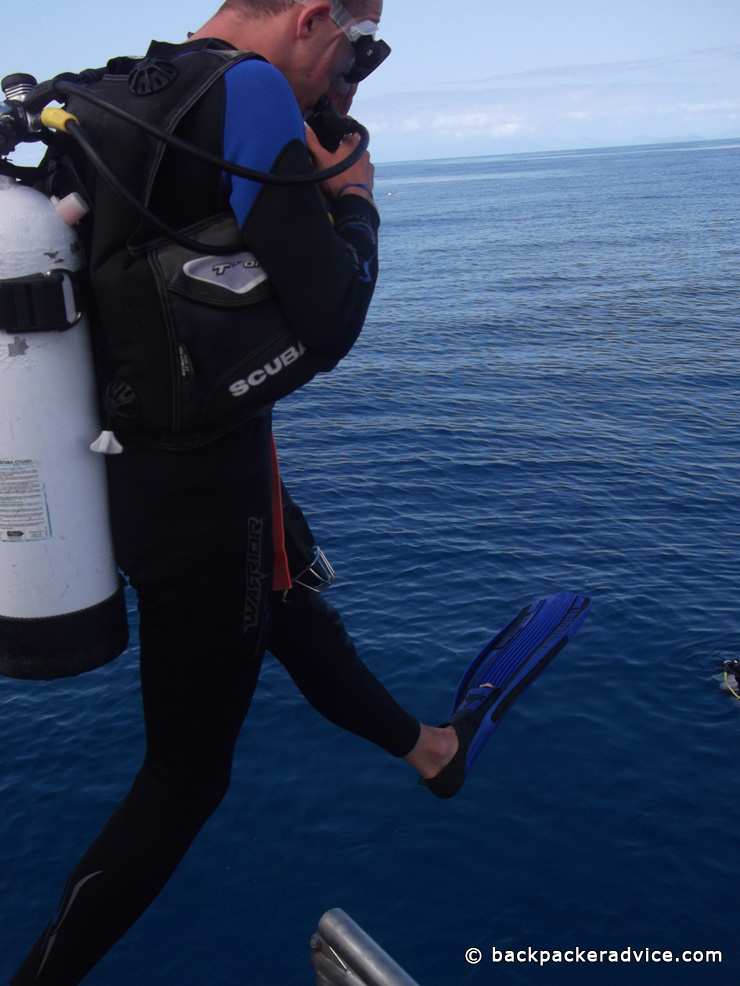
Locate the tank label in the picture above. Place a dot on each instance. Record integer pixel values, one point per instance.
(24, 512)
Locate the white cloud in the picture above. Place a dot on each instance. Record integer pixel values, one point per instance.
(562, 106)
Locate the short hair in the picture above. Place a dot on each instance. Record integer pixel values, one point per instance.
(268, 8)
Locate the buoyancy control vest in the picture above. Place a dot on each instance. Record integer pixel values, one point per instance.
(189, 345)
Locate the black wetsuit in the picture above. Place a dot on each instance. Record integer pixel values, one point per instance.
(193, 533)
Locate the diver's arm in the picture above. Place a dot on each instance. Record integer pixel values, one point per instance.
(323, 274)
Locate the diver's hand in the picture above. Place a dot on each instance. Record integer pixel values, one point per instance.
(360, 174)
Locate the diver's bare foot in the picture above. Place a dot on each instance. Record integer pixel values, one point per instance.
(434, 749)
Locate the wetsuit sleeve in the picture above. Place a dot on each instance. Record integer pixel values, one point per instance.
(323, 274)
(261, 116)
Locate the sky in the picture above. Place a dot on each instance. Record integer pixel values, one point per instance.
(501, 78)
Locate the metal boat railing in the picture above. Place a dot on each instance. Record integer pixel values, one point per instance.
(344, 955)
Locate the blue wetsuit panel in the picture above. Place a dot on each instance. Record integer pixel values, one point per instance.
(260, 118)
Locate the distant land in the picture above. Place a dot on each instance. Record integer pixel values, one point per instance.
(545, 146)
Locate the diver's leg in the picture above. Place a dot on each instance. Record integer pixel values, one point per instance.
(306, 634)
(202, 600)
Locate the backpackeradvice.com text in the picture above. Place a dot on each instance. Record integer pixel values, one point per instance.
(637, 956)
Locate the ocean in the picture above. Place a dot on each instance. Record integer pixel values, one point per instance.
(546, 396)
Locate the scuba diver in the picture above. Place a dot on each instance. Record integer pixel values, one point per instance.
(731, 676)
(225, 294)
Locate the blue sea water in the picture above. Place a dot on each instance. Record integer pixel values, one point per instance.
(546, 396)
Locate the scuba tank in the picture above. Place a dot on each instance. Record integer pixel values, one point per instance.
(62, 609)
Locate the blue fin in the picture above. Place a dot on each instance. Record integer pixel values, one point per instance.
(502, 670)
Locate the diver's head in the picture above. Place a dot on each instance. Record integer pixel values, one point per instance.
(317, 44)
(359, 50)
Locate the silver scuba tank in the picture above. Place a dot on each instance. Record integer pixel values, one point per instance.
(62, 609)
